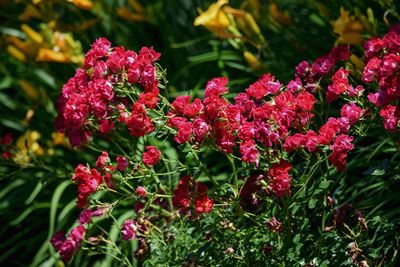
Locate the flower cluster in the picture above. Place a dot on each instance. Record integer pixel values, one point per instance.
(88, 180)
(264, 127)
(67, 247)
(262, 116)
(92, 98)
(382, 67)
(189, 193)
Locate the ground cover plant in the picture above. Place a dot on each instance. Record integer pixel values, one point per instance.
(294, 171)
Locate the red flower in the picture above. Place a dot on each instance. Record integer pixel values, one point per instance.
(340, 147)
(67, 247)
(327, 132)
(141, 191)
(249, 151)
(266, 85)
(122, 163)
(390, 120)
(339, 85)
(279, 178)
(204, 204)
(138, 123)
(152, 156)
(103, 160)
(216, 87)
(87, 181)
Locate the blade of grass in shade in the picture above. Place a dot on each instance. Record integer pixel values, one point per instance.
(10, 187)
(65, 211)
(34, 194)
(54, 205)
(28, 211)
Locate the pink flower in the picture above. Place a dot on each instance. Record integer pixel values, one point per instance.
(340, 147)
(216, 87)
(302, 68)
(151, 156)
(266, 85)
(200, 129)
(391, 117)
(103, 160)
(249, 151)
(86, 215)
(122, 163)
(67, 247)
(141, 191)
(352, 112)
(128, 230)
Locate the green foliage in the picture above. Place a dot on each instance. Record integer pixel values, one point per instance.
(36, 196)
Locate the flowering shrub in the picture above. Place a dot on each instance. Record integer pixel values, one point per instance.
(286, 146)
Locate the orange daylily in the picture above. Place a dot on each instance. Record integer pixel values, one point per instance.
(348, 28)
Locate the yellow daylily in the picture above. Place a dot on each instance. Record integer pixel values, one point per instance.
(32, 34)
(20, 44)
(29, 89)
(49, 55)
(215, 19)
(348, 28)
(125, 13)
(136, 6)
(278, 16)
(15, 52)
(27, 146)
(82, 4)
(252, 60)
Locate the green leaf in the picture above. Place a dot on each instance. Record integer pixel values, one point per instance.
(6, 82)
(324, 184)
(312, 203)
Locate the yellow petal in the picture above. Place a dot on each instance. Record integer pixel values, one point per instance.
(32, 34)
(214, 19)
(278, 16)
(252, 60)
(124, 13)
(18, 43)
(48, 55)
(82, 4)
(357, 62)
(29, 89)
(136, 6)
(15, 52)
